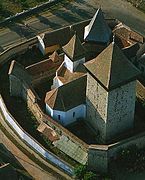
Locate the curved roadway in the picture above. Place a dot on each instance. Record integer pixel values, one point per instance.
(68, 13)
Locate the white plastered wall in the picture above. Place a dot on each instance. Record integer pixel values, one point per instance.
(69, 116)
(41, 45)
(70, 65)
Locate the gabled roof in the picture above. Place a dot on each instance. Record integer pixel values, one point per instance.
(55, 57)
(74, 49)
(112, 68)
(141, 51)
(98, 30)
(67, 96)
(48, 132)
(65, 76)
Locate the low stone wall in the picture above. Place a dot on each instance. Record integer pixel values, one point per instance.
(32, 142)
(29, 96)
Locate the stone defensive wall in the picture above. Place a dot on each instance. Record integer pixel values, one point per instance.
(100, 156)
(31, 142)
(23, 87)
(96, 155)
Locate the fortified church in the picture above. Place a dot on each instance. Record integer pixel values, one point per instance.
(100, 91)
(94, 83)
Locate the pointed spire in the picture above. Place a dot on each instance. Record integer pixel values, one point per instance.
(74, 49)
(98, 30)
(112, 68)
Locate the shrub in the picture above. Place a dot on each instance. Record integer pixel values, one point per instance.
(79, 171)
(90, 176)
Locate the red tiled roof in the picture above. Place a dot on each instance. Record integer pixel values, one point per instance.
(41, 67)
(66, 76)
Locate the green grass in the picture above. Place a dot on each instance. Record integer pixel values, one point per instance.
(11, 7)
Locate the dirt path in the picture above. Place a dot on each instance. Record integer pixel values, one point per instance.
(33, 169)
(28, 164)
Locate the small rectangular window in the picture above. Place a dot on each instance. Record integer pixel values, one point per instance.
(58, 117)
(73, 114)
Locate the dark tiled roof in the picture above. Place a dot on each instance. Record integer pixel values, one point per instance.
(98, 29)
(92, 49)
(67, 96)
(74, 49)
(60, 36)
(112, 68)
(141, 51)
(18, 70)
(141, 60)
(131, 51)
(7, 172)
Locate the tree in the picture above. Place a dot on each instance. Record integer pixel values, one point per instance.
(90, 176)
(79, 171)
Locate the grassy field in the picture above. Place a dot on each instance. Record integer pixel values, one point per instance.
(11, 7)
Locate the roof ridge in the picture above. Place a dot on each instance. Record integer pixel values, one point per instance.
(54, 91)
(62, 101)
(97, 26)
(118, 70)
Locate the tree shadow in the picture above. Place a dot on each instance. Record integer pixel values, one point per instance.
(67, 16)
(22, 30)
(82, 13)
(48, 22)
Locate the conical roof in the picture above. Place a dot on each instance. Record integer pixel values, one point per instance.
(74, 49)
(98, 30)
(112, 68)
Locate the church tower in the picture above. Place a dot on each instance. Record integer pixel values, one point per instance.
(98, 30)
(111, 84)
(74, 53)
